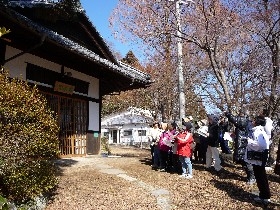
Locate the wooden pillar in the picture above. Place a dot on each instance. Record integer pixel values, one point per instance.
(93, 143)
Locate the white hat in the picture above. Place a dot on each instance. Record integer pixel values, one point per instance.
(203, 121)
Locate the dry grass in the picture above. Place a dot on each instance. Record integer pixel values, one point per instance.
(84, 186)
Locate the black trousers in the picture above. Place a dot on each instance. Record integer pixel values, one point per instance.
(200, 153)
(152, 153)
(163, 159)
(262, 181)
(177, 167)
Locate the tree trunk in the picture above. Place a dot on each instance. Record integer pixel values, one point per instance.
(272, 155)
(277, 166)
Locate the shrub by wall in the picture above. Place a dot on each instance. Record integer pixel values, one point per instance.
(28, 141)
(105, 145)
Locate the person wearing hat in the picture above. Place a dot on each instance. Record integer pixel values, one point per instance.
(212, 153)
(185, 149)
(243, 131)
(190, 120)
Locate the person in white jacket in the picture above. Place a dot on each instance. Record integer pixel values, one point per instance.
(153, 137)
(257, 154)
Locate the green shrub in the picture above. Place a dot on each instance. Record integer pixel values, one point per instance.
(105, 145)
(4, 205)
(28, 141)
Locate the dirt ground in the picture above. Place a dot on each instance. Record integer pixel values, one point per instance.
(126, 181)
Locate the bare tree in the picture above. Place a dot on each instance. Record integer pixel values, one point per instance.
(211, 28)
(266, 33)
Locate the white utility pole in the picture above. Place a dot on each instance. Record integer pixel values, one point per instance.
(180, 70)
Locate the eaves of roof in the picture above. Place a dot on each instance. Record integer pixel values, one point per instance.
(119, 67)
(49, 4)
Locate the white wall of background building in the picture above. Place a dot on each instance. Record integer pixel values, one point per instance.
(130, 127)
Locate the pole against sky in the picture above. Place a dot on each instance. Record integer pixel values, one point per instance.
(99, 12)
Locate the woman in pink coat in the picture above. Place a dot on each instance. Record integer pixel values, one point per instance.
(185, 149)
(165, 146)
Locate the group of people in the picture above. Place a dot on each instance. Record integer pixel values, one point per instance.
(174, 146)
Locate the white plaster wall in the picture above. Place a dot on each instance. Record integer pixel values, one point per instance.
(17, 66)
(93, 116)
(17, 69)
(93, 90)
(134, 138)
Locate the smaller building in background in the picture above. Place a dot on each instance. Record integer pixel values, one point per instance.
(130, 127)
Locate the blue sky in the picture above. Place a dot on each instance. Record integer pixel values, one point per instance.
(99, 12)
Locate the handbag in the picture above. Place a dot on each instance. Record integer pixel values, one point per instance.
(254, 155)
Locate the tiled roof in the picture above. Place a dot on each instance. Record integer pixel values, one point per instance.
(30, 3)
(122, 68)
(131, 115)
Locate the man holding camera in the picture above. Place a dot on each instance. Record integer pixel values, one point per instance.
(243, 131)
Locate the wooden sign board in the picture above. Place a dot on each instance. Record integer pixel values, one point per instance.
(64, 88)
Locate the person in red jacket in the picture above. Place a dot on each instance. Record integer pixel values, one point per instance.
(184, 150)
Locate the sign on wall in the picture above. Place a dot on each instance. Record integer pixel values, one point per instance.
(63, 88)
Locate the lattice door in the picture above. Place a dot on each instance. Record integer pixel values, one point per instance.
(72, 118)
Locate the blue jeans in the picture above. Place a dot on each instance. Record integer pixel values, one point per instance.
(186, 164)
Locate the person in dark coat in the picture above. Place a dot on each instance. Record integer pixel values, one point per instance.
(212, 153)
(243, 131)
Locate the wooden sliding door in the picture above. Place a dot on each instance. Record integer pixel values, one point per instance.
(72, 119)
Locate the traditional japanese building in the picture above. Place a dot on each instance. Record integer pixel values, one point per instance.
(71, 64)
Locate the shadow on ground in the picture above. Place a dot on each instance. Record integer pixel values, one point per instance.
(146, 161)
(237, 193)
(64, 162)
(273, 178)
